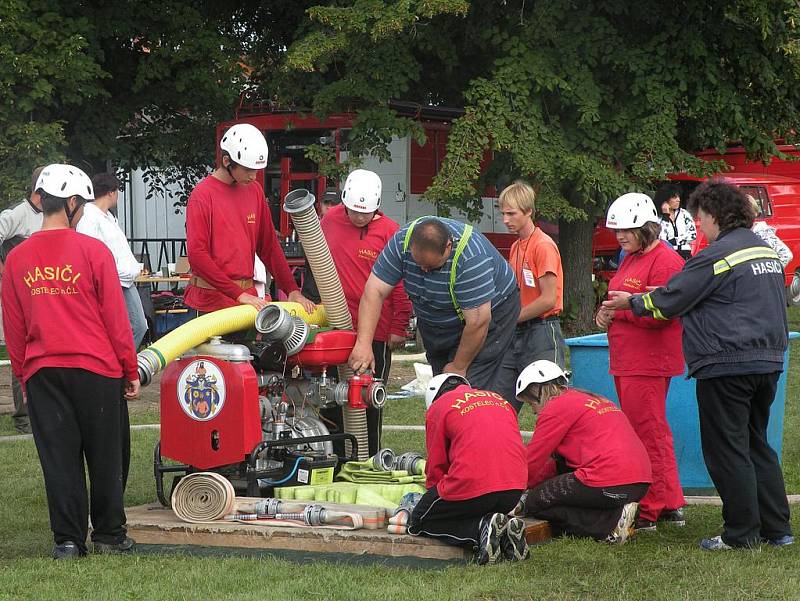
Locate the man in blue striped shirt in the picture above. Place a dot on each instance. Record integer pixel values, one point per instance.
(464, 294)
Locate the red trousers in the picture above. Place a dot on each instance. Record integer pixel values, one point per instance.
(643, 400)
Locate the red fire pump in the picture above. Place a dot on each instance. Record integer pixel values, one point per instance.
(249, 409)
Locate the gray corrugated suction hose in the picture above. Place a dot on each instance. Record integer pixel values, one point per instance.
(354, 421)
(300, 206)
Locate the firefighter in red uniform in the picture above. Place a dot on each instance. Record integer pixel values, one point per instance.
(645, 353)
(356, 232)
(586, 467)
(71, 346)
(227, 223)
(475, 471)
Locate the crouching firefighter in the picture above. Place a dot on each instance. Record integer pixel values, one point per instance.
(587, 468)
(475, 471)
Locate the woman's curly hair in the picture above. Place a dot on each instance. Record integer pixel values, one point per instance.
(724, 202)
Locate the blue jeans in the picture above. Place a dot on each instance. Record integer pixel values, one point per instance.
(486, 370)
(135, 314)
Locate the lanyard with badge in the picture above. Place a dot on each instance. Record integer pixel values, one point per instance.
(526, 274)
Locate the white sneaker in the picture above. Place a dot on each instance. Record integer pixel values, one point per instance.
(624, 528)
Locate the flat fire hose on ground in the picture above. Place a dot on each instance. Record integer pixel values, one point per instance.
(206, 497)
(363, 472)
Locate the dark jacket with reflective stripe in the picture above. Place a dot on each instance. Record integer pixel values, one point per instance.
(732, 302)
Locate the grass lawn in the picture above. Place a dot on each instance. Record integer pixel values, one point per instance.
(666, 565)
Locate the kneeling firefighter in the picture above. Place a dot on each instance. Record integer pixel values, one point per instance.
(587, 469)
(475, 471)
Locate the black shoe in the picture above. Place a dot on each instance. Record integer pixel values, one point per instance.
(513, 544)
(492, 529)
(644, 525)
(674, 517)
(67, 550)
(781, 541)
(126, 546)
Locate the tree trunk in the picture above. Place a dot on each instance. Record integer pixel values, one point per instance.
(575, 244)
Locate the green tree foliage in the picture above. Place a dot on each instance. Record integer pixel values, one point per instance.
(587, 99)
(128, 84)
(42, 78)
(355, 58)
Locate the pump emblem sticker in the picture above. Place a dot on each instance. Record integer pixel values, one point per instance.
(201, 390)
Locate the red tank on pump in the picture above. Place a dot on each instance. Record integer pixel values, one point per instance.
(210, 413)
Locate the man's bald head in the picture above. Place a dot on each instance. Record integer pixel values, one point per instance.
(430, 235)
(430, 244)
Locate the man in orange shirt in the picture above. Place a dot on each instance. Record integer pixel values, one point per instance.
(536, 262)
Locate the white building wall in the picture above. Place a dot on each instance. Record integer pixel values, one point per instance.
(400, 205)
(153, 217)
(395, 176)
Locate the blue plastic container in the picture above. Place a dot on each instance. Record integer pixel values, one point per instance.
(589, 364)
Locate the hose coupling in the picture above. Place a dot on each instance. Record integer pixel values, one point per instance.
(411, 462)
(275, 323)
(383, 460)
(365, 391)
(148, 365)
(314, 515)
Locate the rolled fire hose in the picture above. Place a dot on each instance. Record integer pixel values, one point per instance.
(300, 206)
(203, 497)
(233, 319)
(207, 497)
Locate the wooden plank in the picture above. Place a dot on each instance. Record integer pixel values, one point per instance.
(537, 531)
(155, 525)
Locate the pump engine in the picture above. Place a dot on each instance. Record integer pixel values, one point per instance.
(248, 408)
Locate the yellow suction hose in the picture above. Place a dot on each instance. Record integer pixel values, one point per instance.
(300, 206)
(233, 319)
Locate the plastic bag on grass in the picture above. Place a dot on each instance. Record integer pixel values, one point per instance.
(423, 373)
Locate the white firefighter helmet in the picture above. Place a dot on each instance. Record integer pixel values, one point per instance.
(435, 384)
(540, 372)
(65, 181)
(630, 211)
(362, 191)
(246, 146)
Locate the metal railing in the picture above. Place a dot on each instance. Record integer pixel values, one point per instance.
(166, 249)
